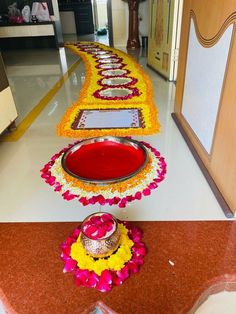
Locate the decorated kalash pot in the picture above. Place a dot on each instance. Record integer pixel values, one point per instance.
(100, 235)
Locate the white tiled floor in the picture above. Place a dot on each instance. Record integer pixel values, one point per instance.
(32, 74)
(184, 195)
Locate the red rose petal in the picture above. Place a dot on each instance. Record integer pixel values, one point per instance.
(106, 217)
(90, 230)
(101, 232)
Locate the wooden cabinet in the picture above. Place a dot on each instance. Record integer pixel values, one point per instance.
(28, 35)
(84, 19)
(27, 30)
(83, 15)
(8, 112)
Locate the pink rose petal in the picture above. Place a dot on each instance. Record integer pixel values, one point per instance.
(116, 200)
(106, 217)
(123, 273)
(129, 198)
(95, 220)
(69, 266)
(101, 232)
(90, 230)
(108, 225)
(139, 249)
(133, 267)
(138, 260)
(111, 201)
(106, 275)
(103, 286)
(138, 195)
(67, 196)
(65, 251)
(153, 185)
(70, 240)
(135, 234)
(117, 281)
(92, 280)
(105, 281)
(75, 233)
(146, 192)
(81, 276)
(122, 204)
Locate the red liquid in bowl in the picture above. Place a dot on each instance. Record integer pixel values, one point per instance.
(104, 160)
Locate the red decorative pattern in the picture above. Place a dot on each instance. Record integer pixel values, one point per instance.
(109, 66)
(102, 73)
(132, 82)
(133, 92)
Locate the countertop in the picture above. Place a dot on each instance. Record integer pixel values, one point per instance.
(184, 259)
(4, 24)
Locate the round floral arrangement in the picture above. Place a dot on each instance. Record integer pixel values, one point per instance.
(104, 273)
(120, 193)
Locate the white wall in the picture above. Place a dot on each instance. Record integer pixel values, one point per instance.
(57, 21)
(144, 15)
(203, 83)
(119, 22)
(68, 22)
(102, 13)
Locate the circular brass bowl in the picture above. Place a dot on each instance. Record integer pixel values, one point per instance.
(101, 247)
(115, 139)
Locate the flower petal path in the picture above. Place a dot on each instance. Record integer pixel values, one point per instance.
(99, 61)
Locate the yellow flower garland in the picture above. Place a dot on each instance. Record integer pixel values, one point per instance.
(143, 102)
(114, 262)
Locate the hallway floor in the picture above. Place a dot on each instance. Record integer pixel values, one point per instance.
(183, 195)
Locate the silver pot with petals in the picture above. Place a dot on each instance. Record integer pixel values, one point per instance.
(101, 247)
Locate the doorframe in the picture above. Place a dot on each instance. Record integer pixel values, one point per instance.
(109, 21)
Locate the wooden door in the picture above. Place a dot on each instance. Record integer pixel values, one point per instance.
(84, 19)
(205, 106)
(164, 30)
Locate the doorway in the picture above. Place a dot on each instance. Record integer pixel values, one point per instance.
(102, 13)
(98, 27)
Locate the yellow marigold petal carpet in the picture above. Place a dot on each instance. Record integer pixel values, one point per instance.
(99, 59)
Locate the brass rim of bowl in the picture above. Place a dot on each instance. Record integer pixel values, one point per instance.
(101, 139)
